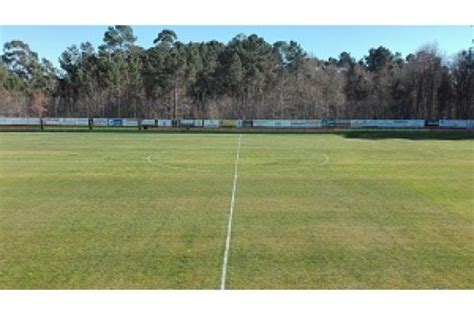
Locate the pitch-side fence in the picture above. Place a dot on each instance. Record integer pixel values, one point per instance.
(91, 123)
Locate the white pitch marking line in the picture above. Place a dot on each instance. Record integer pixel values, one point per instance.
(160, 164)
(326, 159)
(231, 212)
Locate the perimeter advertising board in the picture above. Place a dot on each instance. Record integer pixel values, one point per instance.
(186, 122)
(271, 123)
(211, 123)
(18, 121)
(129, 122)
(148, 122)
(99, 121)
(280, 123)
(454, 123)
(164, 122)
(66, 121)
(232, 123)
(114, 122)
(387, 123)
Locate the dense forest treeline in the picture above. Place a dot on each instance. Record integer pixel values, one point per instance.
(247, 78)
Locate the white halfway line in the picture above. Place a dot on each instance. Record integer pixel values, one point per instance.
(231, 212)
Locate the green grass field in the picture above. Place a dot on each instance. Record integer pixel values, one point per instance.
(143, 210)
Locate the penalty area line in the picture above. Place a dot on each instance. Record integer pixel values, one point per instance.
(231, 212)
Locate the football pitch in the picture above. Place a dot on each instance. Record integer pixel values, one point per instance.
(131, 210)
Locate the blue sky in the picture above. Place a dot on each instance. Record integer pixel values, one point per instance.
(321, 41)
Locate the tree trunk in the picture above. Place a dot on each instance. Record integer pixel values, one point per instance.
(175, 101)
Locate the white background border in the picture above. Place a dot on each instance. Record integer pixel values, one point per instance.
(238, 12)
(250, 12)
(236, 302)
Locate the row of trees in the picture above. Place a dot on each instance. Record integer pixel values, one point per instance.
(246, 78)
